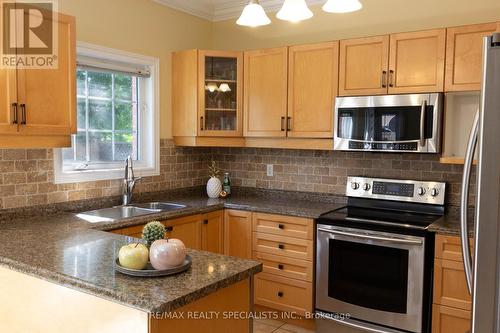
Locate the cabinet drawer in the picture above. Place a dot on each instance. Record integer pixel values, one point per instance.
(450, 287)
(283, 225)
(450, 320)
(285, 267)
(283, 246)
(283, 294)
(449, 247)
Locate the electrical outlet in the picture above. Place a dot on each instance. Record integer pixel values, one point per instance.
(270, 171)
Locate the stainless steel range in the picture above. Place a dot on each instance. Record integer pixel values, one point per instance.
(374, 257)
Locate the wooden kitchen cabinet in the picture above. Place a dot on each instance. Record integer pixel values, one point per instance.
(312, 88)
(187, 229)
(416, 62)
(363, 66)
(238, 233)
(212, 232)
(450, 287)
(464, 56)
(265, 92)
(450, 320)
(38, 106)
(134, 231)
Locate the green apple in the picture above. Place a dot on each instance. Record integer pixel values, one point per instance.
(133, 256)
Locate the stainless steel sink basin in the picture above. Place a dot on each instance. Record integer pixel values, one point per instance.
(161, 206)
(123, 212)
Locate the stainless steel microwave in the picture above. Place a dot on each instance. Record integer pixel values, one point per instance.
(389, 123)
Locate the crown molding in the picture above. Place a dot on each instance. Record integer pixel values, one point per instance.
(219, 10)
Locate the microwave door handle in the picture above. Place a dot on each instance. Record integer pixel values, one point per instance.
(422, 123)
(373, 237)
(464, 232)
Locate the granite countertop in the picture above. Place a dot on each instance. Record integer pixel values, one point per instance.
(66, 250)
(449, 224)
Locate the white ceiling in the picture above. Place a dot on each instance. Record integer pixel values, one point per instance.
(218, 10)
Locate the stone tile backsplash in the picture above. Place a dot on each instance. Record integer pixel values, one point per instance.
(26, 175)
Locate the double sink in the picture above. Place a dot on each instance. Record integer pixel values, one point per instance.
(123, 212)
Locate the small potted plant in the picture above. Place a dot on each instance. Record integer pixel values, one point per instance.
(214, 185)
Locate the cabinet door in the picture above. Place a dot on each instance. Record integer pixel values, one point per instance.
(312, 87)
(8, 96)
(212, 236)
(464, 56)
(238, 234)
(450, 287)
(416, 62)
(363, 66)
(47, 97)
(265, 92)
(220, 93)
(187, 229)
(135, 231)
(450, 320)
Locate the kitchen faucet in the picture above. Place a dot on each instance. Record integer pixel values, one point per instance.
(129, 181)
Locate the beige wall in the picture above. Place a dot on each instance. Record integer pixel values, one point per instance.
(143, 27)
(376, 17)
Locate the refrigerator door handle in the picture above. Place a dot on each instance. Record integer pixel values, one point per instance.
(464, 207)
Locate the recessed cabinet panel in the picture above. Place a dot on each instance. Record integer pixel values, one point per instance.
(8, 96)
(265, 92)
(363, 66)
(417, 62)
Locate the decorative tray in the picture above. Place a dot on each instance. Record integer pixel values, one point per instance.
(149, 271)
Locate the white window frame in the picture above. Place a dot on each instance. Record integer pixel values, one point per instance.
(149, 130)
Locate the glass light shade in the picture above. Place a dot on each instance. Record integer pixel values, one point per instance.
(224, 87)
(253, 15)
(294, 11)
(212, 87)
(342, 6)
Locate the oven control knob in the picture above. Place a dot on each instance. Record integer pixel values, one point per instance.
(366, 187)
(354, 185)
(421, 191)
(434, 192)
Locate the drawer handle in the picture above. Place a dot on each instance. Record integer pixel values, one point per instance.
(281, 226)
(205, 221)
(169, 229)
(281, 246)
(14, 107)
(280, 267)
(280, 294)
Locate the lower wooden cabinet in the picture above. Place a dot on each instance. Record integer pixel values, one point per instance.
(450, 320)
(212, 232)
(135, 231)
(450, 287)
(285, 267)
(187, 229)
(238, 233)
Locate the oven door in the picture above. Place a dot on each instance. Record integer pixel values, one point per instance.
(373, 276)
(409, 123)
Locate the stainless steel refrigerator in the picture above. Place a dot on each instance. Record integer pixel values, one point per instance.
(483, 266)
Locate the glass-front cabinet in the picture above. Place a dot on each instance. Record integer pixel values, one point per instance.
(220, 93)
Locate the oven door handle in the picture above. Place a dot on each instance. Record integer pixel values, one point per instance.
(372, 237)
(357, 324)
(422, 123)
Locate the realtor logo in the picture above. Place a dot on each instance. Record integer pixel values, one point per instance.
(29, 34)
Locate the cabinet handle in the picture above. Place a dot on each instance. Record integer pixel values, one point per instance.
(281, 246)
(288, 123)
(384, 79)
(14, 108)
(282, 124)
(281, 226)
(205, 221)
(280, 267)
(280, 294)
(169, 229)
(23, 113)
(201, 124)
(391, 78)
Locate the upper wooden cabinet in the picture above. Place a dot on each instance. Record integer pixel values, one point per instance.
(416, 62)
(312, 88)
(207, 93)
(464, 51)
(38, 106)
(265, 92)
(363, 66)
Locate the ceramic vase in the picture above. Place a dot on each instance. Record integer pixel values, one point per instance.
(214, 187)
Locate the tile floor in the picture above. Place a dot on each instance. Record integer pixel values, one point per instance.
(276, 326)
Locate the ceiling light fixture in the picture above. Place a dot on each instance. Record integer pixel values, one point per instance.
(342, 6)
(253, 15)
(294, 11)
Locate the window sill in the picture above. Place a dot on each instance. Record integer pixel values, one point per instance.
(96, 175)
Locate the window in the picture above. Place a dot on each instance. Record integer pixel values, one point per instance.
(117, 116)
